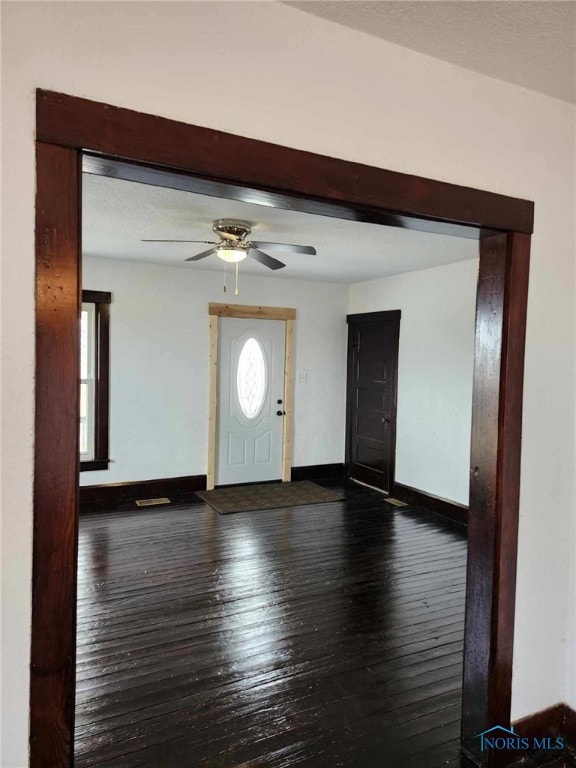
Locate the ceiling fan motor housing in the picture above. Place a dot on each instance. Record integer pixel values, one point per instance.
(232, 229)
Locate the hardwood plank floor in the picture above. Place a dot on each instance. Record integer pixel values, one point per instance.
(325, 635)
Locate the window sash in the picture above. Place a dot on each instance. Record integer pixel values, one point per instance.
(88, 373)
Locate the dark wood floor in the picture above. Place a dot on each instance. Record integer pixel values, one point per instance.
(319, 636)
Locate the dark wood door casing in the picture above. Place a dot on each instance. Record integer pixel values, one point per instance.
(66, 126)
(371, 397)
(501, 307)
(56, 465)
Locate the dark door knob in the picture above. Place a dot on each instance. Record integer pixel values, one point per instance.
(279, 402)
(280, 413)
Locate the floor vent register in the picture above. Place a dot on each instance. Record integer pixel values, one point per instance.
(152, 502)
(395, 502)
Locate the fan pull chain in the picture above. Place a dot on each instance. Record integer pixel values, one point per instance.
(236, 289)
(224, 277)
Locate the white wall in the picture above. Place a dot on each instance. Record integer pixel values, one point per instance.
(307, 83)
(159, 349)
(435, 372)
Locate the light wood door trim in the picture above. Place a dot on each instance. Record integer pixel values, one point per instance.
(287, 434)
(212, 402)
(257, 313)
(250, 311)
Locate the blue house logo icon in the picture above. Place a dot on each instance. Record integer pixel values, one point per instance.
(499, 737)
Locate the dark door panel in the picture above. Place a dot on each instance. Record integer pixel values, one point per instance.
(368, 428)
(371, 397)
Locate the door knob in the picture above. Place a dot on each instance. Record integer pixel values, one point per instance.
(279, 402)
(280, 413)
(385, 421)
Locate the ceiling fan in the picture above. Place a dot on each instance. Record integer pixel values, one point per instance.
(234, 246)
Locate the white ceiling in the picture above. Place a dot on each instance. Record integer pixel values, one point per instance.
(531, 43)
(117, 214)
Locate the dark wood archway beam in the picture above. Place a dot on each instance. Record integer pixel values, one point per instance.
(123, 133)
(67, 128)
(100, 165)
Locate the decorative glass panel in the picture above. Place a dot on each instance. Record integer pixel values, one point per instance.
(251, 379)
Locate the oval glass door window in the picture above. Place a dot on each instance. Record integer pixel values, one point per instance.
(251, 379)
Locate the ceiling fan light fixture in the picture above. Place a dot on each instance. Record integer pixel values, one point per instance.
(234, 245)
(231, 254)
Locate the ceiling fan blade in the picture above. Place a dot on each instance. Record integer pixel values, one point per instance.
(208, 242)
(201, 255)
(263, 258)
(308, 249)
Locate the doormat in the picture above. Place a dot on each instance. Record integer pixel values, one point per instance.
(249, 498)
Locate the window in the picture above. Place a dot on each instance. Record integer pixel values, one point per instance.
(251, 379)
(94, 379)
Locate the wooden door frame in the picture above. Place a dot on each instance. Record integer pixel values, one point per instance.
(66, 127)
(370, 317)
(288, 315)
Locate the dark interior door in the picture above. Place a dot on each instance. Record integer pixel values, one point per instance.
(371, 397)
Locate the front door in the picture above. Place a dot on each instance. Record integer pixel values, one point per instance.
(250, 417)
(371, 397)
